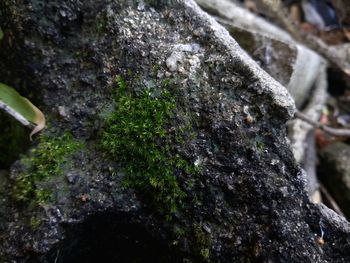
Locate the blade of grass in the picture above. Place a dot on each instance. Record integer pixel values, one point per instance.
(21, 109)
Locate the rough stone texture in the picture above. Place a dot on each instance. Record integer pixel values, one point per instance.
(248, 204)
(335, 171)
(296, 67)
(290, 63)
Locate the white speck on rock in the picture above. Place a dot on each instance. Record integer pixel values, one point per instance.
(62, 111)
(284, 191)
(198, 161)
(141, 6)
(171, 62)
(177, 56)
(274, 161)
(63, 13)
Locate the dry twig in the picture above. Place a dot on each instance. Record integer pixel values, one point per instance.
(325, 128)
(329, 198)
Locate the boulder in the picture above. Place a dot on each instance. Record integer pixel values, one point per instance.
(165, 142)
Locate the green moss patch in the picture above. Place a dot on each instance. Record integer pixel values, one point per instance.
(139, 134)
(203, 242)
(45, 161)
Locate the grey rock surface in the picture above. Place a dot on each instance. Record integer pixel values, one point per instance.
(249, 201)
(292, 64)
(296, 67)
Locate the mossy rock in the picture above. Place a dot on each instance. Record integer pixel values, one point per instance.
(140, 133)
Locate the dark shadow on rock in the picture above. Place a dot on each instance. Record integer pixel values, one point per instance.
(110, 237)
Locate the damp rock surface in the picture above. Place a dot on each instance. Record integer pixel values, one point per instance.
(240, 197)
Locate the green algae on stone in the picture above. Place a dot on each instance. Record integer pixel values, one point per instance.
(35, 222)
(203, 242)
(45, 161)
(139, 134)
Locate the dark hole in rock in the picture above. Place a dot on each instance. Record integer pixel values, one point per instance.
(113, 238)
(14, 140)
(337, 82)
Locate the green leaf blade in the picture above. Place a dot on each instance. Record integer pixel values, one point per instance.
(21, 108)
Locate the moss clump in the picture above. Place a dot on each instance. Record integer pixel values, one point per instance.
(203, 242)
(139, 134)
(35, 222)
(45, 161)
